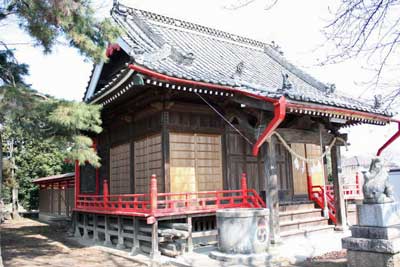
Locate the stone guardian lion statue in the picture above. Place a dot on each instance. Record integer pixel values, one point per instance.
(376, 188)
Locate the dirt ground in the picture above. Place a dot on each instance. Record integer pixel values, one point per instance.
(30, 243)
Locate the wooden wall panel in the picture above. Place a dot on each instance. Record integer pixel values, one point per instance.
(299, 170)
(195, 162)
(316, 168)
(120, 164)
(148, 161)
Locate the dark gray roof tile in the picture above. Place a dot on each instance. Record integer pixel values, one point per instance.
(215, 56)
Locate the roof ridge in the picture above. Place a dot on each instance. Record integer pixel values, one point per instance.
(192, 26)
(268, 49)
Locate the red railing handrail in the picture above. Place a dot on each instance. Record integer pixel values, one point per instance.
(156, 204)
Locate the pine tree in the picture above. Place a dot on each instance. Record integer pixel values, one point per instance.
(30, 116)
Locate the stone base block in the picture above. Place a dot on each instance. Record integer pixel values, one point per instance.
(256, 259)
(370, 232)
(371, 259)
(380, 215)
(373, 245)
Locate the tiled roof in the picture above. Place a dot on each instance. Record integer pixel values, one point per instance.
(55, 178)
(190, 51)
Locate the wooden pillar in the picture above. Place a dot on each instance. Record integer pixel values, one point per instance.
(272, 189)
(85, 226)
(77, 233)
(341, 222)
(120, 244)
(107, 237)
(155, 253)
(52, 199)
(190, 231)
(135, 245)
(95, 230)
(165, 151)
(59, 198)
(66, 193)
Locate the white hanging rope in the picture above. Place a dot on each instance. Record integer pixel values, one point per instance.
(308, 160)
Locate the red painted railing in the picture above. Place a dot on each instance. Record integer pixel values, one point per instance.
(156, 204)
(316, 194)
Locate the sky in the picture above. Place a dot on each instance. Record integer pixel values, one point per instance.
(294, 25)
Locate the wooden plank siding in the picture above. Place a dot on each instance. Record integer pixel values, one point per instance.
(56, 201)
(148, 161)
(120, 164)
(195, 162)
(299, 171)
(316, 168)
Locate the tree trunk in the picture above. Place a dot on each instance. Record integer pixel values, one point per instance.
(1, 178)
(15, 204)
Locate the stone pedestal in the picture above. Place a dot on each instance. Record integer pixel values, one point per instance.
(375, 241)
(380, 215)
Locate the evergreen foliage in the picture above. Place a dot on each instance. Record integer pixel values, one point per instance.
(46, 20)
(37, 132)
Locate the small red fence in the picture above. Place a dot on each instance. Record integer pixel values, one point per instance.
(317, 194)
(156, 204)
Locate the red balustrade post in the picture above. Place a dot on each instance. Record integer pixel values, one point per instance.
(357, 184)
(77, 182)
(105, 193)
(153, 194)
(309, 187)
(244, 189)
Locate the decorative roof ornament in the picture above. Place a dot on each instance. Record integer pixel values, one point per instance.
(239, 71)
(276, 47)
(378, 101)
(185, 59)
(240, 67)
(286, 84)
(330, 89)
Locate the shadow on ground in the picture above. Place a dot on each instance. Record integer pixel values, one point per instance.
(31, 243)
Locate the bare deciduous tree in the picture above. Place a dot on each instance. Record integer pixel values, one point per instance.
(369, 29)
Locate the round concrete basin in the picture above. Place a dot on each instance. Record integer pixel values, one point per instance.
(244, 231)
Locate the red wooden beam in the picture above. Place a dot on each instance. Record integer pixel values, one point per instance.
(391, 140)
(77, 181)
(279, 116)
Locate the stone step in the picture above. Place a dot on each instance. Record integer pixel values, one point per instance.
(296, 206)
(310, 230)
(299, 214)
(302, 224)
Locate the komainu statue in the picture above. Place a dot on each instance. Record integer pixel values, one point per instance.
(376, 188)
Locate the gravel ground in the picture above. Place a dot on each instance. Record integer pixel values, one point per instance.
(30, 243)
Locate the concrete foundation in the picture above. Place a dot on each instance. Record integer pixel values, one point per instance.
(258, 259)
(121, 232)
(243, 231)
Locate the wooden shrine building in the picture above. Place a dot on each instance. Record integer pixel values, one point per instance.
(56, 195)
(196, 119)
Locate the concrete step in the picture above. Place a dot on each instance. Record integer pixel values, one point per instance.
(286, 216)
(302, 224)
(296, 206)
(308, 231)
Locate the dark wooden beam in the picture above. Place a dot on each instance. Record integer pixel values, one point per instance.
(307, 137)
(253, 103)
